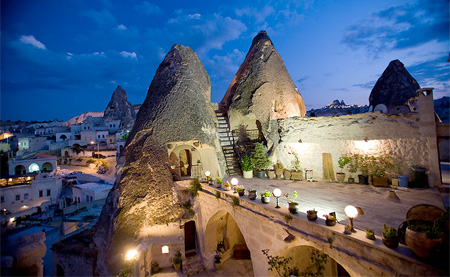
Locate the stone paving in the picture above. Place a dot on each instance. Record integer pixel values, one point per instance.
(327, 197)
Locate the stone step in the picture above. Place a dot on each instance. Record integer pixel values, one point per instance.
(193, 265)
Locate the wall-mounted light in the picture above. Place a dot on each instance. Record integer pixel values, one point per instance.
(165, 249)
(277, 193)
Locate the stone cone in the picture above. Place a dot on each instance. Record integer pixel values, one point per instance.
(119, 108)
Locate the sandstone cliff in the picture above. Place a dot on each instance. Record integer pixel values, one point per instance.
(262, 89)
(176, 108)
(119, 108)
(394, 88)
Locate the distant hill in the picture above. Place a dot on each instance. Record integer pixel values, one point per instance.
(338, 108)
(82, 117)
(442, 108)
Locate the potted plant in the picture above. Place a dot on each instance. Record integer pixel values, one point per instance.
(342, 162)
(252, 194)
(247, 166)
(270, 173)
(422, 236)
(265, 196)
(378, 167)
(287, 174)
(219, 182)
(347, 229)
(211, 181)
(199, 162)
(296, 173)
(311, 215)
(279, 168)
(260, 160)
(186, 164)
(155, 267)
(360, 162)
(292, 204)
(352, 168)
(370, 234)
(227, 186)
(390, 237)
(330, 219)
(240, 190)
(176, 261)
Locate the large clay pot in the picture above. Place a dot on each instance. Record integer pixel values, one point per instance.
(293, 207)
(279, 172)
(380, 181)
(251, 195)
(270, 173)
(390, 242)
(420, 244)
(340, 177)
(287, 174)
(260, 174)
(312, 217)
(248, 174)
(296, 175)
(330, 222)
(176, 266)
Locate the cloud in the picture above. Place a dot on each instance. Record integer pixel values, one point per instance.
(301, 80)
(33, 41)
(368, 85)
(122, 27)
(148, 8)
(400, 27)
(131, 55)
(194, 16)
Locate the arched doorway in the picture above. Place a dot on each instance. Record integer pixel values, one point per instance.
(222, 234)
(33, 168)
(47, 167)
(185, 162)
(66, 154)
(59, 270)
(190, 237)
(63, 137)
(310, 261)
(20, 169)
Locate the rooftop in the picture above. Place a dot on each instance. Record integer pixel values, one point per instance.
(94, 186)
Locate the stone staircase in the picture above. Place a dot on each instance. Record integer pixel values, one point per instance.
(227, 143)
(193, 264)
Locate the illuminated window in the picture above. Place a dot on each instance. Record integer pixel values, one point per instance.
(33, 168)
(165, 249)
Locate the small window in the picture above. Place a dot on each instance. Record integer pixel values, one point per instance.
(90, 197)
(103, 136)
(41, 193)
(17, 197)
(49, 192)
(2, 199)
(110, 140)
(87, 198)
(25, 196)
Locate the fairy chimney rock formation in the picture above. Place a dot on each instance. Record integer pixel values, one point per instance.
(143, 201)
(262, 88)
(119, 108)
(393, 89)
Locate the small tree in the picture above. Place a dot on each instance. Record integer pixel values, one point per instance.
(260, 160)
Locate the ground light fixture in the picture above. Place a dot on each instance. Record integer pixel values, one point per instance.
(277, 193)
(131, 255)
(352, 212)
(234, 182)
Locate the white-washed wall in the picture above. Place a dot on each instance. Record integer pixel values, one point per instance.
(369, 133)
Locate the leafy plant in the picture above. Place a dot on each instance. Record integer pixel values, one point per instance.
(219, 180)
(313, 211)
(291, 198)
(227, 184)
(389, 231)
(177, 259)
(260, 160)
(280, 264)
(235, 201)
(329, 217)
(217, 194)
(288, 217)
(194, 187)
(126, 271)
(199, 162)
(278, 165)
(246, 163)
(343, 161)
(369, 232)
(296, 162)
(218, 257)
(265, 193)
(330, 242)
(252, 191)
(239, 188)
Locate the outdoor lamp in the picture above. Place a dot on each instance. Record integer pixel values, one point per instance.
(234, 182)
(352, 212)
(207, 173)
(277, 193)
(165, 249)
(131, 255)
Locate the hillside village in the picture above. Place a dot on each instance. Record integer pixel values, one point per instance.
(178, 135)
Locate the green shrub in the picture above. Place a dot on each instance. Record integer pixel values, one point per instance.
(194, 187)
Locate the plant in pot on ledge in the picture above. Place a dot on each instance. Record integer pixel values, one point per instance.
(176, 261)
(265, 197)
(252, 194)
(219, 182)
(342, 162)
(390, 237)
(311, 215)
(292, 204)
(240, 190)
(247, 166)
(260, 160)
(296, 173)
(330, 219)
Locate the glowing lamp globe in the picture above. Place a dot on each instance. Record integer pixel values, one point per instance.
(131, 255)
(207, 173)
(276, 192)
(234, 181)
(351, 211)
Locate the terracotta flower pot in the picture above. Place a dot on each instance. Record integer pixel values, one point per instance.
(176, 266)
(330, 222)
(390, 242)
(270, 173)
(287, 174)
(420, 244)
(279, 172)
(340, 177)
(293, 207)
(251, 195)
(312, 217)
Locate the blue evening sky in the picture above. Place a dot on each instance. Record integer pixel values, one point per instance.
(62, 58)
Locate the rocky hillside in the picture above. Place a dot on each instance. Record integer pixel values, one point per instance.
(442, 108)
(338, 108)
(119, 108)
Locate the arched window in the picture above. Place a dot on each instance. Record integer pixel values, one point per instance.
(33, 167)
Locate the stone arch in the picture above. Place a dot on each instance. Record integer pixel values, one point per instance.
(182, 154)
(34, 167)
(381, 107)
(20, 169)
(301, 258)
(66, 154)
(63, 137)
(223, 229)
(47, 167)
